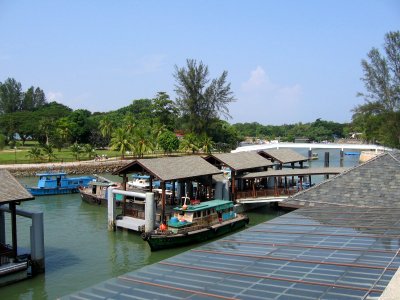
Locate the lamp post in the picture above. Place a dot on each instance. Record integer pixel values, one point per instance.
(15, 154)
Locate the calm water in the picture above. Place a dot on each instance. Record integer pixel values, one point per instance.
(80, 252)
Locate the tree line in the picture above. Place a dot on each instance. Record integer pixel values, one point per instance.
(197, 119)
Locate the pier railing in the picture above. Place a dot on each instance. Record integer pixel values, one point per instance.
(265, 193)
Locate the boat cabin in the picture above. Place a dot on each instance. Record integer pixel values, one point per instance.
(202, 214)
(60, 180)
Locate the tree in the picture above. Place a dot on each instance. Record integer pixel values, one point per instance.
(165, 110)
(382, 83)
(76, 150)
(141, 141)
(2, 141)
(168, 141)
(121, 141)
(189, 143)
(89, 150)
(10, 96)
(106, 126)
(48, 151)
(199, 101)
(206, 144)
(33, 99)
(34, 153)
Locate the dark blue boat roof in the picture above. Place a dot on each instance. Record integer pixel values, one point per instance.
(51, 174)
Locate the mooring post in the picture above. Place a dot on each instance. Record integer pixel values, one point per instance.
(326, 163)
(150, 213)
(310, 154)
(111, 208)
(37, 243)
(341, 157)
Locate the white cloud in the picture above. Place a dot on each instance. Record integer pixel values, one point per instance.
(54, 96)
(258, 81)
(267, 102)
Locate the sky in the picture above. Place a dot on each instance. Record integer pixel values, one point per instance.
(288, 61)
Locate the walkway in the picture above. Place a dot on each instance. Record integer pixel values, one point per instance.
(309, 146)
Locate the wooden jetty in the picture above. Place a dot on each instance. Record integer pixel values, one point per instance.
(15, 266)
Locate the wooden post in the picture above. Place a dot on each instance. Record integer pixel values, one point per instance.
(14, 228)
(163, 202)
(341, 158)
(326, 163)
(254, 188)
(233, 185)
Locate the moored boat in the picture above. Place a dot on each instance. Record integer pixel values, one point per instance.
(57, 183)
(96, 192)
(194, 223)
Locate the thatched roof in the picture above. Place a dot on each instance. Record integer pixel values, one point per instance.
(372, 184)
(296, 172)
(283, 155)
(239, 161)
(11, 190)
(171, 168)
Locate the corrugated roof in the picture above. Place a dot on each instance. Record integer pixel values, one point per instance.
(307, 254)
(373, 184)
(11, 190)
(241, 160)
(284, 155)
(171, 168)
(296, 172)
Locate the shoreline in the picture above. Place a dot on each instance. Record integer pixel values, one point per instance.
(78, 167)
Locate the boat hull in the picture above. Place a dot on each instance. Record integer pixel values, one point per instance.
(159, 241)
(52, 191)
(93, 199)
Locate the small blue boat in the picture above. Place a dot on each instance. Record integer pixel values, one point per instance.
(351, 153)
(57, 183)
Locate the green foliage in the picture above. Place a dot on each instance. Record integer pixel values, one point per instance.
(378, 118)
(2, 141)
(89, 150)
(189, 143)
(168, 142)
(76, 150)
(47, 150)
(35, 153)
(205, 144)
(200, 103)
(121, 141)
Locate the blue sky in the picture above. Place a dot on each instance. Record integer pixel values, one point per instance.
(287, 61)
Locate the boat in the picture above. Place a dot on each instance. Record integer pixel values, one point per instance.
(196, 222)
(139, 181)
(96, 192)
(351, 153)
(314, 156)
(57, 183)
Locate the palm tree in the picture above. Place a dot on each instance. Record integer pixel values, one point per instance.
(121, 141)
(76, 150)
(142, 142)
(105, 126)
(89, 150)
(48, 151)
(206, 144)
(129, 123)
(35, 153)
(189, 143)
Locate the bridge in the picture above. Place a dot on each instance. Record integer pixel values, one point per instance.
(311, 146)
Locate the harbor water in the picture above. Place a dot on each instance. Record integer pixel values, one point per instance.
(79, 250)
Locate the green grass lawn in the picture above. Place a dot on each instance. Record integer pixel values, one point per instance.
(19, 155)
